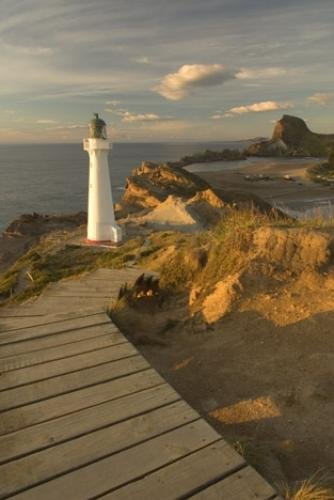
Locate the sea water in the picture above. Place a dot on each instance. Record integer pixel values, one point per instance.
(53, 178)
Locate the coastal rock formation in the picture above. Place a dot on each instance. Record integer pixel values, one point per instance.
(151, 184)
(197, 213)
(292, 137)
(175, 214)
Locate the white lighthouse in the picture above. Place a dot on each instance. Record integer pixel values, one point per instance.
(101, 225)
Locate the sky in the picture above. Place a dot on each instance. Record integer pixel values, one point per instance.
(159, 70)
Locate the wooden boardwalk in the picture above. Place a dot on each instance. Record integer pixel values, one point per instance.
(83, 415)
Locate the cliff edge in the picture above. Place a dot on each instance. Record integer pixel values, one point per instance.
(150, 185)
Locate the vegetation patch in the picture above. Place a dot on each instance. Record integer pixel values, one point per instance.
(315, 488)
(323, 173)
(209, 156)
(30, 274)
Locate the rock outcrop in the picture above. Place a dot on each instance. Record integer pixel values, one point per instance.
(151, 184)
(292, 138)
(194, 214)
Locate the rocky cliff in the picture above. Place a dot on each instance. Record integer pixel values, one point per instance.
(292, 137)
(151, 184)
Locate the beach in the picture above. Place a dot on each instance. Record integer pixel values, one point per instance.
(281, 182)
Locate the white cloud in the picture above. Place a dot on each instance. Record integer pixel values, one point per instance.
(130, 117)
(259, 107)
(221, 115)
(256, 107)
(46, 122)
(260, 74)
(116, 111)
(321, 98)
(177, 86)
(142, 60)
(143, 117)
(69, 126)
(114, 103)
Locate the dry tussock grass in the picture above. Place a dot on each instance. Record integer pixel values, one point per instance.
(314, 488)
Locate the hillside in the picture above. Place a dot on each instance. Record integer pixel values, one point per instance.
(292, 137)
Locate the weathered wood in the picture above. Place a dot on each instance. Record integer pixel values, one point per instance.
(38, 391)
(35, 413)
(57, 352)
(16, 311)
(86, 295)
(183, 477)
(50, 329)
(81, 422)
(60, 459)
(116, 470)
(60, 304)
(111, 274)
(67, 365)
(84, 416)
(245, 484)
(19, 323)
(59, 339)
(98, 287)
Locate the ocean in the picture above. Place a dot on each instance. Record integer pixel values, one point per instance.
(53, 178)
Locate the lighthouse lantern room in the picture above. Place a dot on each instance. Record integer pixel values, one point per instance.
(101, 225)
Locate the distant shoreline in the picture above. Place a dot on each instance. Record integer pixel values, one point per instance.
(284, 183)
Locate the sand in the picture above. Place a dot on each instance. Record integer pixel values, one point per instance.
(299, 197)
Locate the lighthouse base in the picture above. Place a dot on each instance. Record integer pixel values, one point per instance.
(102, 243)
(110, 233)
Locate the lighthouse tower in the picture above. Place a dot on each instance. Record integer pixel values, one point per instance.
(101, 225)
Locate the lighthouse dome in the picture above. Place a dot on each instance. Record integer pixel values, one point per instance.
(97, 128)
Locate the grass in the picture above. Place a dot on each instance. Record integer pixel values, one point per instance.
(46, 266)
(201, 258)
(314, 488)
(227, 247)
(323, 173)
(251, 450)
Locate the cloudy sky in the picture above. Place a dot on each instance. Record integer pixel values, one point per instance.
(159, 70)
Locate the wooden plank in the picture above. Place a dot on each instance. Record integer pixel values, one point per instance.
(17, 311)
(35, 314)
(58, 352)
(82, 310)
(49, 300)
(42, 411)
(44, 465)
(60, 304)
(55, 431)
(89, 286)
(87, 292)
(245, 484)
(84, 293)
(120, 468)
(38, 391)
(59, 339)
(19, 323)
(183, 477)
(44, 371)
(51, 328)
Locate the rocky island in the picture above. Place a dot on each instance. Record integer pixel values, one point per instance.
(292, 138)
